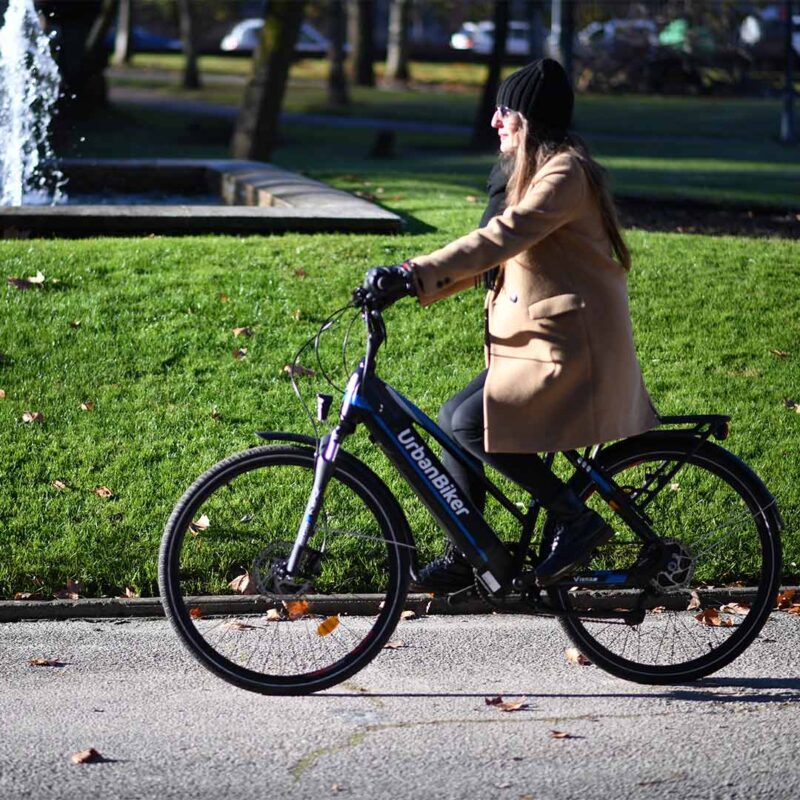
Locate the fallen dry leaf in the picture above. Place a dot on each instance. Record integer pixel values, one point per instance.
(795, 609)
(328, 625)
(239, 353)
(130, 593)
(240, 626)
(2, 394)
(694, 602)
(38, 279)
(60, 485)
(273, 615)
(563, 735)
(709, 617)
(87, 406)
(76, 323)
(298, 370)
(741, 609)
(658, 610)
(46, 662)
(337, 787)
(195, 613)
(90, 756)
(199, 525)
(29, 417)
(65, 594)
(784, 599)
(409, 613)
(394, 644)
(103, 491)
(242, 331)
(243, 584)
(471, 198)
(300, 273)
(574, 656)
(297, 314)
(215, 413)
(512, 705)
(295, 608)
(779, 353)
(223, 298)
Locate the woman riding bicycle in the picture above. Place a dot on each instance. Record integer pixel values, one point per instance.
(562, 371)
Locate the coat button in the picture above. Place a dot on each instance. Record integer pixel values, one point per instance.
(513, 298)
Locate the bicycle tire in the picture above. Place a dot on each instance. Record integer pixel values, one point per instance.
(676, 642)
(236, 522)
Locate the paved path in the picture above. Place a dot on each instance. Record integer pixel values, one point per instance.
(155, 99)
(413, 724)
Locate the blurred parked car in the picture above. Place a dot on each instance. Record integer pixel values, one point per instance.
(144, 41)
(478, 37)
(637, 33)
(243, 37)
(762, 35)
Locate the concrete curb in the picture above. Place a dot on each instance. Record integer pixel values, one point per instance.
(105, 607)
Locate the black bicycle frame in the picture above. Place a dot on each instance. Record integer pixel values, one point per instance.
(393, 422)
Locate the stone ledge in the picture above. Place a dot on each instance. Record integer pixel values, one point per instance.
(255, 198)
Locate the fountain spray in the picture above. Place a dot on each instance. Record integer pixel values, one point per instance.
(29, 89)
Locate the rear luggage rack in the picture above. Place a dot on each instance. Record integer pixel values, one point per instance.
(705, 425)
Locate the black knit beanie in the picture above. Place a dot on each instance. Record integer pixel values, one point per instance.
(540, 92)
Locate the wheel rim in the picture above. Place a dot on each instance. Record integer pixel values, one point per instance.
(252, 629)
(691, 630)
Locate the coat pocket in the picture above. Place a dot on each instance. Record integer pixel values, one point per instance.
(556, 335)
(553, 306)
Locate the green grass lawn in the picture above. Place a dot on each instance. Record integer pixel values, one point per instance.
(715, 149)
(142, 331)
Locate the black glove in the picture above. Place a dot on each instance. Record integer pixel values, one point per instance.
(386, 285)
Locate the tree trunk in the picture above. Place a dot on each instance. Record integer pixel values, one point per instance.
(483, 136)
(562, 33)
(361, 19)
(122, 40)
(191, 74)
(535, 17)
(397, 44)
(338, 94)
(257, 126)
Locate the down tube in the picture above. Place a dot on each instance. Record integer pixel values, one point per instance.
(393, 429)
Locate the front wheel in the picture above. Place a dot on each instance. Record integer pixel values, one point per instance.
(718, 583)
(222, 581)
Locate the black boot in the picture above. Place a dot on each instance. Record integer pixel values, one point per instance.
(448, 573)
(577, 531)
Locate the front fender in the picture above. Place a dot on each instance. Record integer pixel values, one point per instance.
(285, 436)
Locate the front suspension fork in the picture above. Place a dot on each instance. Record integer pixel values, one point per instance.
(324, 465)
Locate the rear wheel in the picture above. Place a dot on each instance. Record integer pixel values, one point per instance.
(220, 571)
(717, 585)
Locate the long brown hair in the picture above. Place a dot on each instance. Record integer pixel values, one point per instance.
(540, 145)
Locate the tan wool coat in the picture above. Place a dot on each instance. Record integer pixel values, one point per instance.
(563, 371)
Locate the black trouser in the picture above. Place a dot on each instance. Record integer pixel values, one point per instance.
(461, 418)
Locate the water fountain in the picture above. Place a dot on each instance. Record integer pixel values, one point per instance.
(246, 197)
(29, 90)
